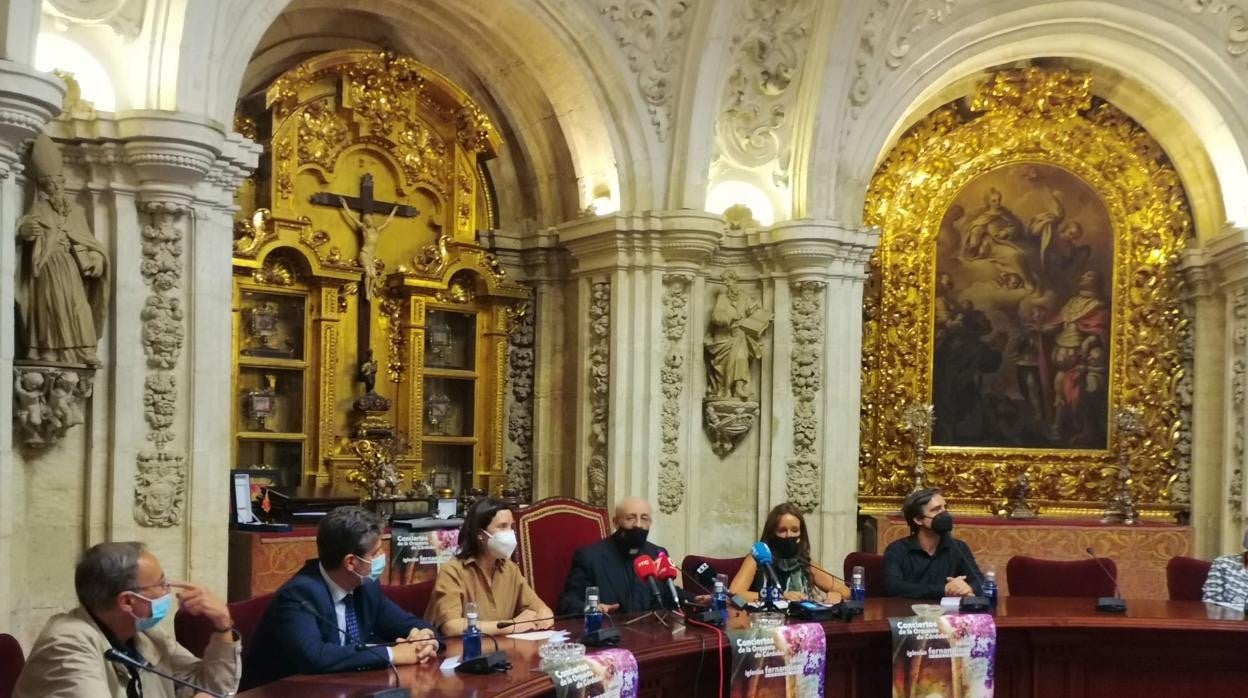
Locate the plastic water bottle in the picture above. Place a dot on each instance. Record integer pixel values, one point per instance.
(719, 602)
(472, 636)
(990, 588)
(858, 585)
(593, 617)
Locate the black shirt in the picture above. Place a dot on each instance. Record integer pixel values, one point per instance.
(605, 566)
(909, 572)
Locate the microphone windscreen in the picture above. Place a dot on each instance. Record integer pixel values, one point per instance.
(664, 568)
(706, 575)
(761, 553)
(644, 566)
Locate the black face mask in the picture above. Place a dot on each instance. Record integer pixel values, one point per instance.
(631, 540)
(783, 547)
(942, 523)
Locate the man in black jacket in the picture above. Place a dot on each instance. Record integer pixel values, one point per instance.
(926, 564)
(320, 616)
(608, 565)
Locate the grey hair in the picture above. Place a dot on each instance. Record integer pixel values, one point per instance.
(104, 571)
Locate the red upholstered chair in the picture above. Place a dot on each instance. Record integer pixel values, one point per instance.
(727, 566)
(413, 598)
(1185, 578)
(872, 571)
(192, 632)
(12, 659)
(550, 532)
(1029, 576)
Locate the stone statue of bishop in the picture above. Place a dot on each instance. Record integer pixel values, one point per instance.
(62, 285)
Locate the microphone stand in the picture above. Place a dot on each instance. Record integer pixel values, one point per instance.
(1109, 604)
(969, 604)
(112, 655)
(396, 692)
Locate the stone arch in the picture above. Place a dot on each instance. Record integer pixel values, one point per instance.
(1168, 78)
(570, 90)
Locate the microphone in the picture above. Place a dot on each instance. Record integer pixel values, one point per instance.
(643, 565)
(112, 655)
(666, 571)
(1109, 604)
(360, 647)
(969, 604)
(565, 616)
(762, 555)
(852, 608)
(704, 576)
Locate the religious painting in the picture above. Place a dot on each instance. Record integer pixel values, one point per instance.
(1026, 286)
(1022, 314)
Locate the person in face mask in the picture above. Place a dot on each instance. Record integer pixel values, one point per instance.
(608, 564)
(1227, 581)
(800, 578)
(123, 596)
(925, 564)
(319, 616)
(482, 571)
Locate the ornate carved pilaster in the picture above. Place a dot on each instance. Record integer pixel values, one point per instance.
(520, 377)
(599, 390)
(804, 480)
(1229, 252)
(671, 383)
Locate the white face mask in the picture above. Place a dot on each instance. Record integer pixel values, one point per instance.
(502, 544)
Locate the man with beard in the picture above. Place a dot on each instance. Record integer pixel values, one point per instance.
(608, 565)
(1084, 327)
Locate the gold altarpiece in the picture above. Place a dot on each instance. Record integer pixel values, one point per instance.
(1096, 204)
(359, 234)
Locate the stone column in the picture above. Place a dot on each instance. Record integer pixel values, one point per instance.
(28, 100)
(1229, 252)
(1208, 391)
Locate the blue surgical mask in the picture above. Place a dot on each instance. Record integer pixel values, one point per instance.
(377, 566)
(160, 609)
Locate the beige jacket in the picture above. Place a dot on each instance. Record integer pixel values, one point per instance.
(67, 661)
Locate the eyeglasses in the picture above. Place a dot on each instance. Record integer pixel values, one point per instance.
(163, 585)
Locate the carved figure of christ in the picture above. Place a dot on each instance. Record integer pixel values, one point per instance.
(369, 234)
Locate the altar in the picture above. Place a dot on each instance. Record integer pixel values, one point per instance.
(1141, 551)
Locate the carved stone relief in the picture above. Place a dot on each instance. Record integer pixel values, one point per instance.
(671, 382)
(520, 366)
(888, 33)
(733, 344)
(48, 401)
(123, 16)
(650, 34)
(1239, 384)
(599, 389)
(159, 489)
(159, 482)
(755, 119)
(802, 484)
(1181, 488)
(1229, 18)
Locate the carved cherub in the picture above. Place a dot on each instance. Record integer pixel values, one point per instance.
(30, 405)
(62, 413)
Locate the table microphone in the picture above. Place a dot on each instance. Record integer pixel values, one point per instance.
(666, 571)
(643, 565)
(969, 604)
(761, 553)
(1109, 604)
(397, 692)
(852, 607)
(565, 616)
(113, 655)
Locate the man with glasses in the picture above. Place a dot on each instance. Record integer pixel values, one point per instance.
(322, 617)
(123, 595)
(929, 563)
(608, 565)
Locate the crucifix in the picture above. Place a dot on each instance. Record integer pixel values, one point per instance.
(369, 233)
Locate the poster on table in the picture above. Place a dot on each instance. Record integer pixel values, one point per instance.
(611, 673)
(416, 554)
(783, 662)
(948, 655)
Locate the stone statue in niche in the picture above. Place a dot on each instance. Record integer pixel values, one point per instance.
(733, 344)
(62, 284)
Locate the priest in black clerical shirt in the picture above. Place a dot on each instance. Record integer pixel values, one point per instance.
(926, 564)
(608, 565)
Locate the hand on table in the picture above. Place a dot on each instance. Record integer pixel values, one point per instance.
(794, 596)
(426, 645)
(957, 586)
(608, 607)
(198, 601)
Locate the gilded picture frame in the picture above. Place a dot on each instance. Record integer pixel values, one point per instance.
(982, 289)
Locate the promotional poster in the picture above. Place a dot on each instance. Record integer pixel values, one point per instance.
(948, 655)
(611, 673)
(783, 662)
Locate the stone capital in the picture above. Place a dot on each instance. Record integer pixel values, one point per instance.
(1229, 254)
(815, 249)
(28, 101)
(171, 153)
(683, 239)
(1199, 273)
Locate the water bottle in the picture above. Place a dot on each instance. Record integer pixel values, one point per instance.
(858, 585)
(593, 617)
(990, 588)
(719, 602)
(472, 636)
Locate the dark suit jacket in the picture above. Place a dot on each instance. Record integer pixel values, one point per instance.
(605, 566)
(291, 639)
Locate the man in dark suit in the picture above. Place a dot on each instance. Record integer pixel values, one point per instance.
(335, 602)
(608, 565)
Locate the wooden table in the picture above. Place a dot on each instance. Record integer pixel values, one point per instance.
(1046, 647)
